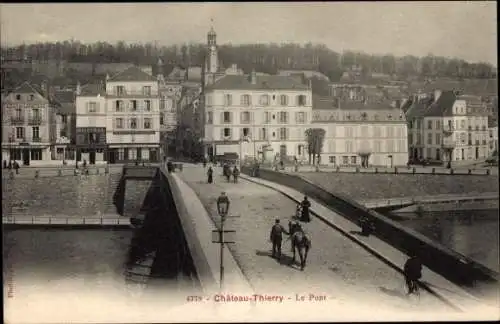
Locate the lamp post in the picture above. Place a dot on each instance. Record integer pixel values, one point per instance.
(222, 209)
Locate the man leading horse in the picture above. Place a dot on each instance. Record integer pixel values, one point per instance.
(300, 242)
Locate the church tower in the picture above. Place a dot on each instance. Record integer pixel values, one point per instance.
(212, 64)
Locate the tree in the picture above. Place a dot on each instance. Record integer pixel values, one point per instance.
(315, 138)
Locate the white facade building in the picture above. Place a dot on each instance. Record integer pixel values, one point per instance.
(257, 116)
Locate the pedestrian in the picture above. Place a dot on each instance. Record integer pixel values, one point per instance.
(4, 164)
(10, 165)
(305, 204)
(282, 165)
(412, 272)
(210, 174)
(84, 164)
(276, 237)
(16, 167)
(170, 166)
(236, 173)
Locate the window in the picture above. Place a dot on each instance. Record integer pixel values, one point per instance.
(119, 123)
(438, 124)
(133, 123)
(210, 117)
(119, 106)
(162, 118)
(18, 97)
(228, 100)
(429, 138)
(36, 132)
(121, 154)
(263, 134)
(245, 117)
(353, 159)
(331, 159)
(19, 132)
(19, 113)
(283, 117)
(301, 100)
(147, 123)
(226, 117)
(345, 160)
(31, 97)
(147, 105)
(348, 147)
(92, 107)
(429, 124)
(264, 100)
(92, 138)
(226, 132)
(146, 90)
(284, 100)
(462, 124)
(36, 113)
(133, 105)
(119, 90)
(245, 100)
(267, 117)
(301, 118)
(132, 154)
(64, 118)
(283, 134)
(438, 139)
(246, 131)
(36, 154)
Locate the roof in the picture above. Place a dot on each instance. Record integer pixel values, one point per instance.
(428, 107)
(324, 103)
(64, 96)
(194, 73)
(93, 89)
(133, 73)
(271, 82)
(28, 88)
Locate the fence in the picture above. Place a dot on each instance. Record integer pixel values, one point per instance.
(54, 220)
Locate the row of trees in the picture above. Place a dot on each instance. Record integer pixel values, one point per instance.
(263, 57)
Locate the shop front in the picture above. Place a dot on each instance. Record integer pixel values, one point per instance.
(129, 153)
(26, 153)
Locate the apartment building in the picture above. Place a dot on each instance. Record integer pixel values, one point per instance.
(445, 125)
(133, 116)
(91, 123)
(257, 116)
(63, 146)
(358, 129)
(27, 125)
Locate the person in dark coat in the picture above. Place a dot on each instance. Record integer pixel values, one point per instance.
(276, 237)
(412, 272)
(210, 174)
(4, 164)
(236, 173)
(10, 164)
(170, 166)
(305, 204)
(16, 167)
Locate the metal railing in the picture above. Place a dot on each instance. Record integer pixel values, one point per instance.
(54, 220)
(35, 120)
(16, 120)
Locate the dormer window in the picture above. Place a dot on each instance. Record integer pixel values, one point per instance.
(18, 97)
(301, 100)
(32, 97)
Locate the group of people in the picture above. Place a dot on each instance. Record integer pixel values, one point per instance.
(226, 172)
(11, 165)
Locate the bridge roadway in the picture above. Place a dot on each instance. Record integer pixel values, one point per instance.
(338, 268)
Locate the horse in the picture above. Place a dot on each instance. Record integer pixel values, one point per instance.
(300, 242)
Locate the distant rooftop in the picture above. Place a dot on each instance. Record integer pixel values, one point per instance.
(268, 82)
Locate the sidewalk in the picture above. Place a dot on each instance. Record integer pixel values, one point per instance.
(338, 268)
(444, 289)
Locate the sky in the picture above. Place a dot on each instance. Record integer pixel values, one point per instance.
(462, 29)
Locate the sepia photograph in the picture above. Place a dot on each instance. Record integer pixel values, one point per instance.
(250, 162)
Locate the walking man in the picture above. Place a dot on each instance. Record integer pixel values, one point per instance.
(305, 204)
(276, 238)
(236, 173)
(412, 272)
(210, 174)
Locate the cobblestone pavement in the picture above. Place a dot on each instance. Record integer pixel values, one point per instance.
(337, 267)
(374, 186)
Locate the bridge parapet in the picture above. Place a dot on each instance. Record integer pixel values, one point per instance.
(198, 226)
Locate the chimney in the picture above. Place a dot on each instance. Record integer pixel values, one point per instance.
(78, 88)
(43, 87)
(253, 77)
(437, 94)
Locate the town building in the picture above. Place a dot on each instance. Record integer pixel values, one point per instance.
(28, 120)
(133, 116)
(493, 136)
(445, 124)
(257, 116)
(63, 147)
(91, 123)
(372, 129)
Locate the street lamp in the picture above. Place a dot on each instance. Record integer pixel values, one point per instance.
(222, 208)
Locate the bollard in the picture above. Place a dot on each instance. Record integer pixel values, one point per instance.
(37, 173)
(433, 170)
(59, 172)
(11, 174)
(376, 170)
(470, 171)
(414, 170)
(106, 170)
(451, 171)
